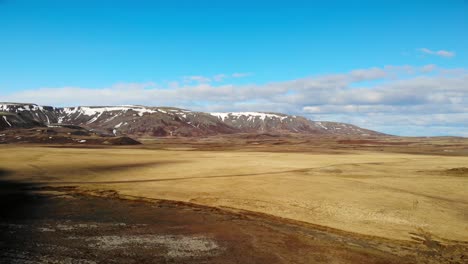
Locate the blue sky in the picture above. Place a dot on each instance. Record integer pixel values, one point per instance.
(124, 52)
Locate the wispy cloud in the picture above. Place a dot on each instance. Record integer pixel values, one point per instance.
(219, 77)
(440, 53)
(427, 98)
(241, 74)
(216, 78)
(196, 78)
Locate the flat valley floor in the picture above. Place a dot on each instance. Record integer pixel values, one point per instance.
(236, 201)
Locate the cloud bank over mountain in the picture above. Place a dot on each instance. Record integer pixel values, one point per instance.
(403, 100)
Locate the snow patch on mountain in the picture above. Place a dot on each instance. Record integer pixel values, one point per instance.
(249, 115)
(91, 111)
(6, 120)
(97, 112)
(322, 126)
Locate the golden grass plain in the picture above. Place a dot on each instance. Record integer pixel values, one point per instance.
(382, 194)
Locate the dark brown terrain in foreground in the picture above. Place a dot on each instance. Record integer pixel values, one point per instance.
(60, 226)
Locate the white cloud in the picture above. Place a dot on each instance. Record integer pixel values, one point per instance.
(241, 74)
(196, 78)
(440, 53)
(398, 97)
(219, 77)
(216, 78)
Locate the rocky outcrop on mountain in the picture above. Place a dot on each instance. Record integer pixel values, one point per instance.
(335, 128)
(30, 123)
(149, 121)
(11, 120)
(257, 122)
(169, 121)
(32, 112)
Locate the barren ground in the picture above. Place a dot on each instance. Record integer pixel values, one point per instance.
(403, 200)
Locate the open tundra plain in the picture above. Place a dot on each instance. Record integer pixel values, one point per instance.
(238, 199)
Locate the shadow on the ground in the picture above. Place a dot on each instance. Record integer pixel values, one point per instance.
(16, 198)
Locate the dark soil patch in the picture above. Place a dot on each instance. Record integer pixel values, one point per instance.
(64, 226)
(372, 142)
(458, 171)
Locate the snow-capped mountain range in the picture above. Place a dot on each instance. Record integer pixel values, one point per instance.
(167, 121)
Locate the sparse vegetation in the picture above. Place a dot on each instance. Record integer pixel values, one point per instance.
(358, 191)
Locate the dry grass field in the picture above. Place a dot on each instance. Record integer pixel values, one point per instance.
(380, 194)
(383, 194)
